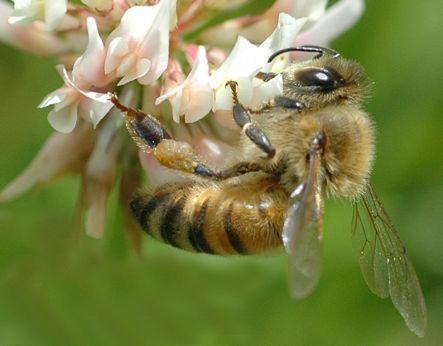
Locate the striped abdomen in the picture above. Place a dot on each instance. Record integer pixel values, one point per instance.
(225, 218)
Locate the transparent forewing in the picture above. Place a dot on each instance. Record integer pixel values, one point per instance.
(302, 233)
(369, 251)
(384, 262)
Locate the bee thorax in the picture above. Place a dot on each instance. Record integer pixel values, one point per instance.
(347, 148)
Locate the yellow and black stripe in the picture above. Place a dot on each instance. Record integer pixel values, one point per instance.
(196, 235)
(215, 218)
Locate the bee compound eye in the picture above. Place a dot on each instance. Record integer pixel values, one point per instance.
(322, 78)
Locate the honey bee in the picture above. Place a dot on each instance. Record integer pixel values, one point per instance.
(313, 141)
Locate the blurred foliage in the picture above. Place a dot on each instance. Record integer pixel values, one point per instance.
(56, 290)
(250, 7)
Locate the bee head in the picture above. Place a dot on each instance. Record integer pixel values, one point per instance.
(327, 79)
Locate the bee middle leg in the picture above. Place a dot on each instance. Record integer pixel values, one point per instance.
(149, 134)
(243, 119)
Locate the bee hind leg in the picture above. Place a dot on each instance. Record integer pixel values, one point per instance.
(239, 169)
(242, 117)
(149, 134)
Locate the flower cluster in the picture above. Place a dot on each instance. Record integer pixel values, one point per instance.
(146, 51)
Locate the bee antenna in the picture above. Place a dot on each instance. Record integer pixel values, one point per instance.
(309, 49)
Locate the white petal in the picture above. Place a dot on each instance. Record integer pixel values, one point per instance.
(199, 74)
(223, 99)
(136, 22)
(176, 103)
(18, 18)
(142, 68)
(223, 96)
(22, 4)
(57, 96)
(61, 69)
(54, 12)
(199, 105)
(155, 45)
(170, 93)
(172, 14)
(96, 96)
(312, 9)
(126, 64)
(284, 34)
(64, 120)
(245, 60)
(159, 61)
(116, 50)
(197, 78)
(244, 90)
(71, 96)
(129, 77)
(265, 91)
(89, 68)
(32, 38)
(337, 19)
(283, 37)
(145, 30)
(98, 110)
(27, 11)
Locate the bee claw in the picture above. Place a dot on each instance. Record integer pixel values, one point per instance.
(233, 85)
(113, 98)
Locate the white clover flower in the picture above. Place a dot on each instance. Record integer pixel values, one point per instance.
(52, 12)
(32, 37)
(246, 60)
(89, 69)
(264, 91)
(194, 97)
(335, 21)
(143, 40)
(172, 8)
(73, 98)
(138, 49)
(311, 9)
(242, 64)
(283, 36)
(71, 101)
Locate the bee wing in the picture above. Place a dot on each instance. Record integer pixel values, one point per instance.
(384, 262)
(302, 233)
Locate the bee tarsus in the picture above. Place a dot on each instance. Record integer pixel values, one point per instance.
(286, 102)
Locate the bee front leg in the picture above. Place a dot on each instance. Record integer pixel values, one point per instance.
(149, 134)
(242, 118)
(286, 102)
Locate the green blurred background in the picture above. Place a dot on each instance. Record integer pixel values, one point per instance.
(55, 291)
